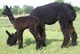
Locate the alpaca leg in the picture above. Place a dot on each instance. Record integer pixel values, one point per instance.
(73, 34)
(64, 29)
(44, 38)
(37, 38)
(20, 38)
(43, 35)
(66, 37)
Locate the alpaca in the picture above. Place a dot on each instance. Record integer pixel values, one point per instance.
(62, 12)
(25, 22)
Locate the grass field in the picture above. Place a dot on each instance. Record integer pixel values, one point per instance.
(54, 40)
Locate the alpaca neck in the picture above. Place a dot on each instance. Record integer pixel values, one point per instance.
(11, 18)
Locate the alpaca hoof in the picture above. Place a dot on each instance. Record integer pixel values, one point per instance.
(20, 47)
(44, 45)
(37, 48)
(64, 46)
(74, 44)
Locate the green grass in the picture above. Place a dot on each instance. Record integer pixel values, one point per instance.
(54, 40)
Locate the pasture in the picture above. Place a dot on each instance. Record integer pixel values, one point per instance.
(54, 40)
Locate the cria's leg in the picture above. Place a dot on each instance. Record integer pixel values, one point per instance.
(20, 38)
(73, 34)
(37, 38)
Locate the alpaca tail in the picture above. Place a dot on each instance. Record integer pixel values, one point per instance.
(73, 15)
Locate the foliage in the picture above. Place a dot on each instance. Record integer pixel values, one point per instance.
(77, 8)
(20, 11)
(61, 1)
(15, 9)
(27, 9)
(79, 11)
(1, 10)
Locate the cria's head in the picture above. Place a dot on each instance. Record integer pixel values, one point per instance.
(12, 39)
(7, 10)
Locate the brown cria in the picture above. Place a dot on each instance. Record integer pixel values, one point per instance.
(25, 22)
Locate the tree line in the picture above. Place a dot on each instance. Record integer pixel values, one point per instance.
(26, 9)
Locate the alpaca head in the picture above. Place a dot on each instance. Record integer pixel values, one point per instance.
(12, 39)
(7, 11)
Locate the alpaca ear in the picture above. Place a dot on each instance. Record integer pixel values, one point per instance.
(8, 33)
(7, 7)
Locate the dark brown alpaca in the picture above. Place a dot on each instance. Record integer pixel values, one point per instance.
(22, 23)
(62, 12)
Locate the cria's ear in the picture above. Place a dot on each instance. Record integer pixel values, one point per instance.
(8, 33)
(7, 7)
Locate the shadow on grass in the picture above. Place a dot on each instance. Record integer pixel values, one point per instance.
(29, 41)
(49, 41)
